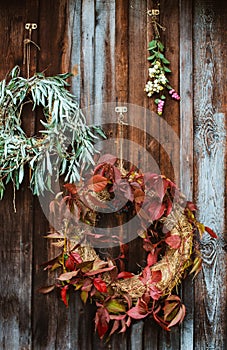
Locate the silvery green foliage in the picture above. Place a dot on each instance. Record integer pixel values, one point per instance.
(66, 143)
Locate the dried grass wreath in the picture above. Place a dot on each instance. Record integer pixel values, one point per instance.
(66, 141)
(167, 230)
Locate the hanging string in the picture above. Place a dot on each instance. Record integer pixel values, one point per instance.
(27, 47)
(156, 25)
(121, 134)
(154, 14)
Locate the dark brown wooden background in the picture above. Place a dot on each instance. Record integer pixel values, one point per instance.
(106, 42)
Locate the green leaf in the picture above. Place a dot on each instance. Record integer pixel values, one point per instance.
(84, 296)
(156, 100)
(152, 44)
(15, 72)
(151, 58)
(166, 69)
(21, 173)
(165, 61)
(160, 46)
(113, 306)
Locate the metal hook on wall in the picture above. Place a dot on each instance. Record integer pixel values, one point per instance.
(27, 46)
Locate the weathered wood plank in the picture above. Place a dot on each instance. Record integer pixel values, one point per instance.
(52, 326)
(210, 34)
(87, 53)
(186, 150)
(137, 76)
(74, 34)
(16, 227)
(121, 51)
(170, 39)
(169, 151)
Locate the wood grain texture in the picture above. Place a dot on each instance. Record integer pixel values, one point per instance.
(16, 227)
(170, 39)
(186, 147)
(210, 311)
(74, 34)
(105, 42)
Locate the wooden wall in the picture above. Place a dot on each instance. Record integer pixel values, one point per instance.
(106, 42)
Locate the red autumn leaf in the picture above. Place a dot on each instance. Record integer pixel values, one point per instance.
(150, 179)
(100, 285)
(160, 320)
(48, 264)
(179, 316)
(97, 183)
(173, 297)
(128, 300)
(76, 257)
(95, 272)
(70, 264)
(47, 289)
(121, 187)
(174, 241)
(67, 275)
(92, 201)
(139, 311)
(87, 285)
(125, 274)
(160, 186)
(108, 158)
(168, 308)
(71, 188)
(64, 295)
(169, 206)
(139, 196)
(117, 317)
(146, 275)
(152, 258)
(211, 232)
(102, 320)
(191, 206)
(156, 276)
(156, 209)
(155, 293)
(117, 173)
(115, 327)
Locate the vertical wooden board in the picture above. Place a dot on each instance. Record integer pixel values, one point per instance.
(53, 32)
(210, 71)
(150, 338)
(74, 34)
(104, 58)
(186, 150)
(121, 51)
(169, 133)
(137, 72)
(16, 227)
(153, 136)
(104, 51)
(52, 322)
(136, 337)
(169, 18)
(87, 53)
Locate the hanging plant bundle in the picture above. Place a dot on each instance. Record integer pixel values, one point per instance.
(167, 231)
(158, 83)
(66, 142)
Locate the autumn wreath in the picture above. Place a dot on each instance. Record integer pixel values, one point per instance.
(167, 231)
